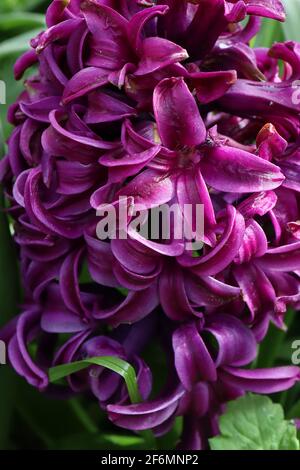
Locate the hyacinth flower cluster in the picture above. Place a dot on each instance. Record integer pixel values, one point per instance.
(160, 102)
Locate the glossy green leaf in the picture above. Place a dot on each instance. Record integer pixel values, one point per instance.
(123, 368)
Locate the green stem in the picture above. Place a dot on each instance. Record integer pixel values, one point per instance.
(83, 416)
(270, 347)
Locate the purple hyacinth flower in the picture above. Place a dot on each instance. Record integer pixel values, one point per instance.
(160, 103)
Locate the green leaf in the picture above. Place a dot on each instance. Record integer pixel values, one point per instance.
(20, 18)
(270, 348)
(115, 364)
(9, 295)
(270, 32)
(17, 44)
(254, 422)
(10, 5)
(291, 26)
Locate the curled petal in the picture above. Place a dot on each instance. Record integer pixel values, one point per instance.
(145, 415)
(224, 252)
(193, 362)
(271, 380)
(284, 258)
(236, 342)
(26, 328)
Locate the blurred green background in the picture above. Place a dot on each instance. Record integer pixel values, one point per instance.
(29, 420)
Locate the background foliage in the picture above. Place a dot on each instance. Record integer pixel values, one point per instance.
(30, 420)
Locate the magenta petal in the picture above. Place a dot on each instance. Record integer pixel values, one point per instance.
(157, 53)
(83, 82)
(268, 8)
(122, 166)
(138, 22)
(60, 31)
(210, 86)
(191, 189)
(258, 292)
(224, 252)
(258, 204)
(177, 114)
(150, 189)
(234, 170)
(254, 245)
(284, 258)
(107, 107)
(109, 46)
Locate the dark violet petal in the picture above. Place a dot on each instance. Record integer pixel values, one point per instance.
(69, 282)
(145, 415)
(135, 306)
(74, 177)
(177, 114)
(83, 82)
(272, 380)
(208, 291)
(236, 342)
(100, 261)
(39, 110)
(61, 321)
(43, 217)
(135, 257)
(59, 141)
(76, 47)
(193, 362)
(173, 295)
(18, 353)
(234, 170)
